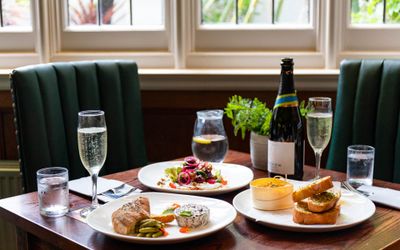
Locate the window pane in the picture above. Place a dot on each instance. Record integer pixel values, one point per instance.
(367, 12)
(253, 11)
(16, 12)
(115, 12)
(392, 11)
(292, 11)
(147, 12)
(83, 12)
(218, 11)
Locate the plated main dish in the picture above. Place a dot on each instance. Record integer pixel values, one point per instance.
(161, 218)
(192, 174)
(316, 206)
(134, 218)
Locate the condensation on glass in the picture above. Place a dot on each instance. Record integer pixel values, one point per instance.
(15, 13)
(115, 12)
(375, 12)
(255, 12)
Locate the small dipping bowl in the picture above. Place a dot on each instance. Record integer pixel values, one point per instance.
(271, 193)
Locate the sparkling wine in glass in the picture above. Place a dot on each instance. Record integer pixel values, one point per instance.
(319, 126)
(92, 144)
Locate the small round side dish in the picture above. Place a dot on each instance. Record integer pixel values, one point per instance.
(192, 215)
(271, 194)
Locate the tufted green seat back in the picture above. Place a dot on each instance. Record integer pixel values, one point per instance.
(47, 99)
(367, 112)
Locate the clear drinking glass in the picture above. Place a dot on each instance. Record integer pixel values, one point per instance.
(209, 142)
(92, 144)
(319, 126)
(53, 191)
(360, 165)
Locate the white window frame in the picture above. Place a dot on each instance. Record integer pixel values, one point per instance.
(253, 46)
(19, 45)
(91, 43)
(362, 41)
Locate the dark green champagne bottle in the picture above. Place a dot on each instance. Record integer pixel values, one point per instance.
(286, 142)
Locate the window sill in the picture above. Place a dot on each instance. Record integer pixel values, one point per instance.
(223, 79)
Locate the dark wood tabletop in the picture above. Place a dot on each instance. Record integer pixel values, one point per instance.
(382, 230)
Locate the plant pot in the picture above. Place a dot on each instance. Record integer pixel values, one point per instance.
(259, 151)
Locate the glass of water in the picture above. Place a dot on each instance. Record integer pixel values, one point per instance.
(53, 191)
(209, 142)
(360, 165)
(92, 145)
(319, 126)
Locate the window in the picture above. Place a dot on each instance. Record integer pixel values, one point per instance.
(255, 12)
(15, 13)
(375, 12)
(212, 34)
(16, 33)
(369, 29)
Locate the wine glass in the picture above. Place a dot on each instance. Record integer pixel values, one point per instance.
(319, 126)
(92, 144)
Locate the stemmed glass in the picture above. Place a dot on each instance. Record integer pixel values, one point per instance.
(92, 144)
(319, 126)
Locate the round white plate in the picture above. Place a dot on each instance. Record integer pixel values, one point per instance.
(355, 209)
(221, 215)
(237, 176)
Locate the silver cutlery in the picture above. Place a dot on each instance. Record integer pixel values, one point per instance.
(347, 186)
(119, 191)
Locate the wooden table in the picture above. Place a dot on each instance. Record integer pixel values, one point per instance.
(380, 231)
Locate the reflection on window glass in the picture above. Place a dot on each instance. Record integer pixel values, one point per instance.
(115, 12)
(392, 11)
(255, 11)
(218, 11)
(15, 13)
(252, 11)
(291, 11)
(147, 12)
(83, 12)
(367, 11)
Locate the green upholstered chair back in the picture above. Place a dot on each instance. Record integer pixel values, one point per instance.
(47, 99)
(367, 112)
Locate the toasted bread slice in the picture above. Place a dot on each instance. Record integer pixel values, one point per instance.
(314, 187)
(323, 201)
(302, 215)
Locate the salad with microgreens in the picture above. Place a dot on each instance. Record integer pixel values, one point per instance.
(193, 174)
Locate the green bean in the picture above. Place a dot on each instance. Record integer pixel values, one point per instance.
(149, 235)
(149, 230)
(141, 235)
(150, 224)
(158, 234)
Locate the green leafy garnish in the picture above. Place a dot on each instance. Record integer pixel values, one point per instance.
(172, 173)
(185, 213)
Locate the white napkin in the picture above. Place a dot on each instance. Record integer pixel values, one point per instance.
(84, 186)
(385, 196)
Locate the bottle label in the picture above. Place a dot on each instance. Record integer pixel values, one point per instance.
(281, 157)
(287, 100)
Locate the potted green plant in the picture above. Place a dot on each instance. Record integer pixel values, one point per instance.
(251, 115)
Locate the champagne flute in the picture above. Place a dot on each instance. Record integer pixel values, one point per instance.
(319, 126)
(92, 144)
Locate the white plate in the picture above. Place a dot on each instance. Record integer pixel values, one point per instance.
(355, 209)
(238, 176)
(221, 215)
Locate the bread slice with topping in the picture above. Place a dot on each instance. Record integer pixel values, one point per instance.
(302, 215)
(323, 201)
(313, 188)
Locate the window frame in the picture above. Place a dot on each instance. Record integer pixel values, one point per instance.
(201, 54)
(20, 45)
(100, 43)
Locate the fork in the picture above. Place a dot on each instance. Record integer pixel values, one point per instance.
(118, 192)
(347, 186)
